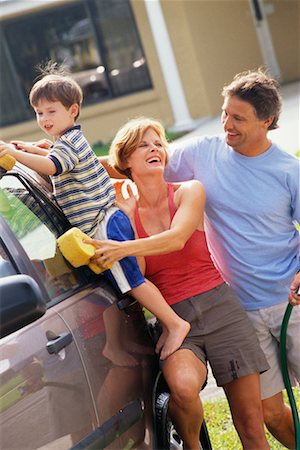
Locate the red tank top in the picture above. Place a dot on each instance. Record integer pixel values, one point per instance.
(184, 273)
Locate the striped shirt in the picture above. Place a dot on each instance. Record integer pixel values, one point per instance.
(81, 185)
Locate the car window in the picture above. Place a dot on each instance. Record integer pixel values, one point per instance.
(37, 231)
(6, 267)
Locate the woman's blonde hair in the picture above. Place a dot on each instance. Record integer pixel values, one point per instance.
(127, 140)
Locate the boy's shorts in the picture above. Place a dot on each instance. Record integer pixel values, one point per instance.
(124, 274)
(267, 323)
(222, 334)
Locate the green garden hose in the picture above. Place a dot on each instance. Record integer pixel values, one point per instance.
(285, 374)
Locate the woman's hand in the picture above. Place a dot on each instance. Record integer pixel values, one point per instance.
(294, 295)
(107, 252)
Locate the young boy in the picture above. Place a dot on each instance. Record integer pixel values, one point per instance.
(86, 195)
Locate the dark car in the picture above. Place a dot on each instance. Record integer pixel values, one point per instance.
(77, 364)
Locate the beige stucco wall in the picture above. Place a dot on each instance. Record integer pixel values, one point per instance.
(217, 40)
(284, 25)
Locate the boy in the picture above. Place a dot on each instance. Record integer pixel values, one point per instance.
(86, 195)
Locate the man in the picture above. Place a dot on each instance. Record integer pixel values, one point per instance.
(252, 190)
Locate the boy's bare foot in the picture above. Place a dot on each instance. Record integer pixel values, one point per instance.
(174, 338)
(119, 357)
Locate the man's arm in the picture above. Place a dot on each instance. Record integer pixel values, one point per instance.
(113, 173)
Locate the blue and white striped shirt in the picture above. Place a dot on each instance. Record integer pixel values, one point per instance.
(81, 185)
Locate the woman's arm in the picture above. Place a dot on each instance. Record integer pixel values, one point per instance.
(190, 199)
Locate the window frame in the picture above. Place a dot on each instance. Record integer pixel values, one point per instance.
(18, 256)
(99, 41)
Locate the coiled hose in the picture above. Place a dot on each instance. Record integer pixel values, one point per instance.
(285, 373)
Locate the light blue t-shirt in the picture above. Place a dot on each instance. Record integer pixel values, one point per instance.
(251, 203)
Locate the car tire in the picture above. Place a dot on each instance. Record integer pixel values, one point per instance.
(167, 437)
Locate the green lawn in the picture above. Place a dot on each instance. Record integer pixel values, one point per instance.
(221, 430)
(102, 149)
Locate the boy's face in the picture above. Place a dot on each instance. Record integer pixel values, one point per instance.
(54, 118)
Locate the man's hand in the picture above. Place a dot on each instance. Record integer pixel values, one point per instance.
(294, 294)
(126, 203)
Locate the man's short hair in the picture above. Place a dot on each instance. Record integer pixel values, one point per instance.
(260, 90)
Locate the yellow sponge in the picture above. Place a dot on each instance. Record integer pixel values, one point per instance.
(7, 162)
(98, 269)
(74, 249)
(95, 268)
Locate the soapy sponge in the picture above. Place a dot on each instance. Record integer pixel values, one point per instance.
(77, 252)
(7, 162)
(74, 249)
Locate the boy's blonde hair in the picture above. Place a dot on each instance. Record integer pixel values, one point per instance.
(56, 85)
(129, 137)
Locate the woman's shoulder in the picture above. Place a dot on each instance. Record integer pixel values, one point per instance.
(191, 185)
(188, 191)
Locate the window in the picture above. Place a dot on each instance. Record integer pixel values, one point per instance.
(96, 39)
(27, 217)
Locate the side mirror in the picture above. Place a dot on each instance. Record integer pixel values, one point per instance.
(21, 303)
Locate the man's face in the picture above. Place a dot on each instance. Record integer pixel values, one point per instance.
(244, 132)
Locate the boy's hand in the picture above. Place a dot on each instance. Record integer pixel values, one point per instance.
(43, 143)
(7, 149)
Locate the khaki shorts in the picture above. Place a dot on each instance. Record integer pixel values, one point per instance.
(222, 334)
(267, 323)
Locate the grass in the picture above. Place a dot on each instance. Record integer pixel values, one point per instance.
(221, 430)
(102, 149)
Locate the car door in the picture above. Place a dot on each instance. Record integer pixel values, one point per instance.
(64, 369)
(46, 399)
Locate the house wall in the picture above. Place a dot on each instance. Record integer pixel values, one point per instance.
(212, 41)
(217, 41)
(284, 24)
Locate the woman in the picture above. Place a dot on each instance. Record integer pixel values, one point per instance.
(169, 220)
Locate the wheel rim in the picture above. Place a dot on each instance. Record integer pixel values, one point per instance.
(176, 442)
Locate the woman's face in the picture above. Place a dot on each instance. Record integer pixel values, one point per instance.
(149, 155)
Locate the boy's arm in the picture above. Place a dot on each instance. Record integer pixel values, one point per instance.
(39, 163)
(30, 148)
